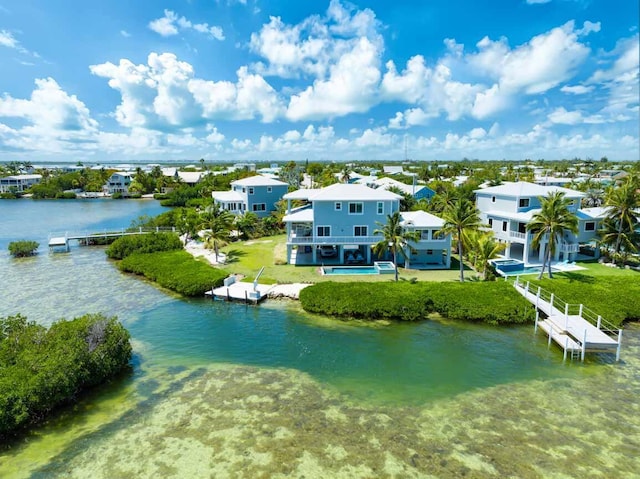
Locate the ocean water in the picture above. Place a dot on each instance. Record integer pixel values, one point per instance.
(227, 390)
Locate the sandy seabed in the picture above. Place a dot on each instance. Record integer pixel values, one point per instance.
(231, 421)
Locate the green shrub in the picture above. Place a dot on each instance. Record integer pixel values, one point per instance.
(615, 298)
(23, 248)
(41, 369)
(143, 243)
(175, 270)
(492, 303)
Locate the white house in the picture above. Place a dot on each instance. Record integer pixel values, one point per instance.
(509, 207)
(118, 182)
(433, 249)
(337, 224)
(257, 194)
(18, 183)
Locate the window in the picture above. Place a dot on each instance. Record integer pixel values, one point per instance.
(269, 189)
(323, 231)
(524, 202)
(359, 231)
(244, 190)
(493, 199)
(437, 235)
(504, 226)
(251, 190)
(490, 222)
(429, 252)
(590, 226)
(338, 206)
(424, 234)
(380, 207)
(356, 208)
(259, 207)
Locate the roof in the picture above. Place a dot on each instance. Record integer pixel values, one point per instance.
(259, 180)
(352, 192)
(421, 219)
(23, 177)
(304, 215)
(190, 176)
(594, 213)
(524, 216)
(301, 194)
(525, 189)
(387, 183)
(227, 196)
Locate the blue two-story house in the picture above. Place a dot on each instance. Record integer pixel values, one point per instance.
(336, 225)
(508, 208)
(257, 194)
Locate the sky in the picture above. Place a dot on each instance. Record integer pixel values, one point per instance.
(323, 80)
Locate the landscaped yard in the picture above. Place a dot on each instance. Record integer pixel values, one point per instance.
(247, 257)
(613, 293)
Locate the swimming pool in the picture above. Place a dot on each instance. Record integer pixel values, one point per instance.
(508, 265)
(379, 267)
(529, 270)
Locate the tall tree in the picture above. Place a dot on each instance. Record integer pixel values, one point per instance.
(483, 248)
(394, 238)
(217, 228)
(622, 204)
(460, 217)
(551, 223)
(345, 176)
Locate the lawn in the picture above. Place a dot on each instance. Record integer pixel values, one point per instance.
(247, 257)
(613, 293)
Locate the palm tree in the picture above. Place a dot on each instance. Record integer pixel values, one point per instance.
(551, 223)
(344, 175)
(483, 248)
(217, 228)
(623, 203)
(247, 223)
(460, 217)
(394, 238)
(627, 239)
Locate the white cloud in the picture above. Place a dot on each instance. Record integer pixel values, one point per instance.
(409, 86)
(125, 33)
(576, 89)
(292, 135)
(214, 135)
(562, 116)
(8, 40)
(166, 94)
(171, 24)
(351, 87)
(477, 133)
(536, 66)
(49, 110)
(537, 2)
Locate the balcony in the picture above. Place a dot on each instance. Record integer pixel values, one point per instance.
(333, 240)
(570, 247)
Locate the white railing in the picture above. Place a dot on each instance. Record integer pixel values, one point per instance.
(112, 232)
(517, 234)
(570, 247)
(333, 240)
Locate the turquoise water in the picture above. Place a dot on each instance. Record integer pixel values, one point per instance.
(529, 270)
(337, 270)
(226, 390)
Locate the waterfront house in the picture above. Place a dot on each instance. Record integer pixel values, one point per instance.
(257, 194)
(118, 182)
(336, 225)
(508, 208)
(18, 183)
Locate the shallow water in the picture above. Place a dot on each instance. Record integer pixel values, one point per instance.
(225, 390)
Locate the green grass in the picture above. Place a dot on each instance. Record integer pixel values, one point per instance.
(247, 257)
(613, 293)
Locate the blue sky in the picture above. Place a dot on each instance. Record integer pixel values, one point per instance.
(234, 80)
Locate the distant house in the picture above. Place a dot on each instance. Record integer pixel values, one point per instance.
(418, 192)
(393, 170)
(18, 183)
(337, 226)
(118, 182)
(257, 194)
(508, 208)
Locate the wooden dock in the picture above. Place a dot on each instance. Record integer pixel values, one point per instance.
(574, 327)
(62, 240)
